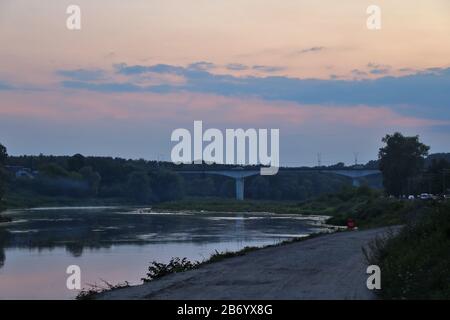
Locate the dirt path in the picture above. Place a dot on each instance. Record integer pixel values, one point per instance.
(326, 267)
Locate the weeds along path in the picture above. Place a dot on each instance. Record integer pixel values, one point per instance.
(326, 267)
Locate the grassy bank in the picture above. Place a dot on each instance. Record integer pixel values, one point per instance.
(231, 205)
(32, 200)
(415, 264)
(368, 207)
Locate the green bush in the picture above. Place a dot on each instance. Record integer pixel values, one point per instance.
(157, 270)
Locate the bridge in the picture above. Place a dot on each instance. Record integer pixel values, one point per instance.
(239, 174)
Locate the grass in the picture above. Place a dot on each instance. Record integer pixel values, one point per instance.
(158, 270)
(94, 289)
(415, 263)
(30, 200)
(231, 205)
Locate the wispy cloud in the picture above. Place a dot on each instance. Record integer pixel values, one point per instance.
(82, 74)
(236, 67)
(378, 69)
(358, 73)
(5, 86)
(202, 65)
(426, 92)
(309, 50)
(268, 69)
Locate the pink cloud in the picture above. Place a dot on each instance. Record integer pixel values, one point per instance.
(172, 109)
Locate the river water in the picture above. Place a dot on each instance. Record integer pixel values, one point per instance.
(117, 244)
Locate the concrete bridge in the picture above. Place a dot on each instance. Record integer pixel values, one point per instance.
(239, 174)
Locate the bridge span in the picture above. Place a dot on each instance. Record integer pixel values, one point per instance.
(239, 174)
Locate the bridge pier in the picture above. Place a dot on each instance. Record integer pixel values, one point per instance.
(239, 188)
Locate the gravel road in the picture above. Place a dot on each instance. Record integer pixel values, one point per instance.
(326, 267)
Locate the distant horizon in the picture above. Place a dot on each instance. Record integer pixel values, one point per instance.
(231, 165)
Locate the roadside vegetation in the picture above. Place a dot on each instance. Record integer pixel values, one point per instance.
(158, 270)
(94, 289)
(415, 263)
(368, 208)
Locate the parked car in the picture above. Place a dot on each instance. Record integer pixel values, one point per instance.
(411, 197)
(426, 196)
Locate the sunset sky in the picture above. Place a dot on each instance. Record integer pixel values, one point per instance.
(139, 69)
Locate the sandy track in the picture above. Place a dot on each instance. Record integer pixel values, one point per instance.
(326, 267)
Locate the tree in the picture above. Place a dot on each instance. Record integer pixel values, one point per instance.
(167, 185)
(401, 159)
(139, 187)
(439, 174)
(53, 170)
(93, 178)
(76, 162)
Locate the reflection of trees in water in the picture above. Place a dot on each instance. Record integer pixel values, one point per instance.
(77, 232)
(2, 257)
(3, 238)
(76, 249)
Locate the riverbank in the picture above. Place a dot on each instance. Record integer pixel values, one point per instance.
(414, 262)
(368, 207)
(326, 267)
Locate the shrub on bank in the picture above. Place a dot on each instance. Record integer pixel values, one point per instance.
(415, 263)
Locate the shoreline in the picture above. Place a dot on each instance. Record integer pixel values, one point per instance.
(296, 270)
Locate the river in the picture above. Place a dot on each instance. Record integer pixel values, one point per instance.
(117, 244)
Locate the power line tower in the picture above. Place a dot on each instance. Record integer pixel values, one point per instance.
(355, 154)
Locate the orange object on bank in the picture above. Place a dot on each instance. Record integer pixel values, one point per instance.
(350, 224)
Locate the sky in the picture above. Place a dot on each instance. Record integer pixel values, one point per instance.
(139, 69)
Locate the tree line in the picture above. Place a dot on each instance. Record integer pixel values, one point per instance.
(142, 181)
(402, 160)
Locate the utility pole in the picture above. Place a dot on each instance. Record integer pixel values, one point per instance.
(356, 157)
(319, 159)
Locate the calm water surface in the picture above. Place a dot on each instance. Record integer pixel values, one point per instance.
(117, 244)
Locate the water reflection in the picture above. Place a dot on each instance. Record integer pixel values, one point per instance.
(118, 243)
(3, 240)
